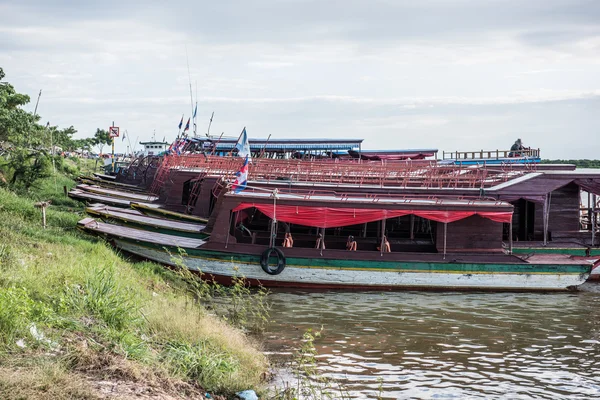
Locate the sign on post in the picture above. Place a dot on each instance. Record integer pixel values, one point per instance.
(113, 131)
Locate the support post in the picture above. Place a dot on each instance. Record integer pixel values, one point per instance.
(545, 220)
(510, 237)
(412, 227)
(113, 151)
(445, 236)
(593, 220)
(382, 234)
(43, 205)
(322, 246)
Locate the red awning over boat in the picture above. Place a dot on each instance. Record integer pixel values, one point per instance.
(329, 217)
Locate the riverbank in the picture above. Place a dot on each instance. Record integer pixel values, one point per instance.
(79, 321)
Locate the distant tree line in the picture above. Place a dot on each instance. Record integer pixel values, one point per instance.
(26, 146)
(585, 163)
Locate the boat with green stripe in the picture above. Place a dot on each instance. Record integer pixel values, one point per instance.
(249, 231)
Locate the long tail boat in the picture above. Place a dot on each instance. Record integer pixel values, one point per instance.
(401, 242)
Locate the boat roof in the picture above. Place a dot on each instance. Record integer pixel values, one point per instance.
(398, 151)
(258, 144)
(386, 200)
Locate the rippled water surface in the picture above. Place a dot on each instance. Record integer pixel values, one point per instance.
(447, 345)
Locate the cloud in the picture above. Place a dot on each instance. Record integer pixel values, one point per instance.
(399, 73)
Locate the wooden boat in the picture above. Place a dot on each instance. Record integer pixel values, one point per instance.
(105, 176)
(545, 197)
(163, 213)
(136, 219)
(245, 237)
(111, 185)
(90, 197)
(128, 195)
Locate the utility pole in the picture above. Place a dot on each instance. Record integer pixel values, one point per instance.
(37, 102)
(113, 150)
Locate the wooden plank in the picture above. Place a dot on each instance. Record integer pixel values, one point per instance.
(139, 235)
(117, 193)
(105, 177)
(146, 220)
(154, 210)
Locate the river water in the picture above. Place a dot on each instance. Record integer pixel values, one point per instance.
(435, 345)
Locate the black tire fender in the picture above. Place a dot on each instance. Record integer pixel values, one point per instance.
(264, 261)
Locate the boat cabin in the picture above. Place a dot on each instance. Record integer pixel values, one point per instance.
(154, 148)
(324, 222)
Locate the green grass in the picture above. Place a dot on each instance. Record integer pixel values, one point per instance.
(101, 316)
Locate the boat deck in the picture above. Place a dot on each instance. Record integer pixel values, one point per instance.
(153, 209)
(117, 193)
(137, 217)
(105, 177)
(104, 229)
(98, 198)
(111, 185)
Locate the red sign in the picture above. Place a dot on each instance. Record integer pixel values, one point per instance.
(113, 131)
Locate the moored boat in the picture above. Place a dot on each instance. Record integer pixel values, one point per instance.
(461, 249)
(136, 219)
(164, 213)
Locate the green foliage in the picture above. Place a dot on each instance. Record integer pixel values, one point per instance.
(310, 384)
(27, 148)
(578, 163)
(16, 125)
(104, 313)
(28, 167)
(103, 297)
(101, 139)
(201, 361)
(238, 304)
(17, 311)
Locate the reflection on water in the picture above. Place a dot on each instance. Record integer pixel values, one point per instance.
(447, 345)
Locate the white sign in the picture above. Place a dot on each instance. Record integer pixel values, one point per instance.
(113, 131)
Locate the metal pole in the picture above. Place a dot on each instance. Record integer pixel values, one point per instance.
(412, 227)
(510, 238)
(322, 240)
(113, 151)
(593, 220)
(382, 234)
(545, 220)
(445, 235)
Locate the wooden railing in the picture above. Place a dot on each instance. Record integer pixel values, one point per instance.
(490, 154)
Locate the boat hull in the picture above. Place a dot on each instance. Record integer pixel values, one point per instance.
(304, 273)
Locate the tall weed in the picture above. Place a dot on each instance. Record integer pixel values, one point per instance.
(105, 298)
(238, 304)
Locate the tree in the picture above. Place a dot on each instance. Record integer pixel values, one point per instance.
(17, 126)
(101, 138)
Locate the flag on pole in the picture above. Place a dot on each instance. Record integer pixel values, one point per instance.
(181, 122)
(187, 126)
(243, 146)
(241, 177)
(195, 110)
(123, 139)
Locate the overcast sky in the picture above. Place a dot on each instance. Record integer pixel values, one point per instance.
(446, 74)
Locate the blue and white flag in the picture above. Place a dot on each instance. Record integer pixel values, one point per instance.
(195, 110)
(181, 122)
(122, 140)
(243, 146)
(241, 177)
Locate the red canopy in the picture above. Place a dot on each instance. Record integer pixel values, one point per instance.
(328, 217)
